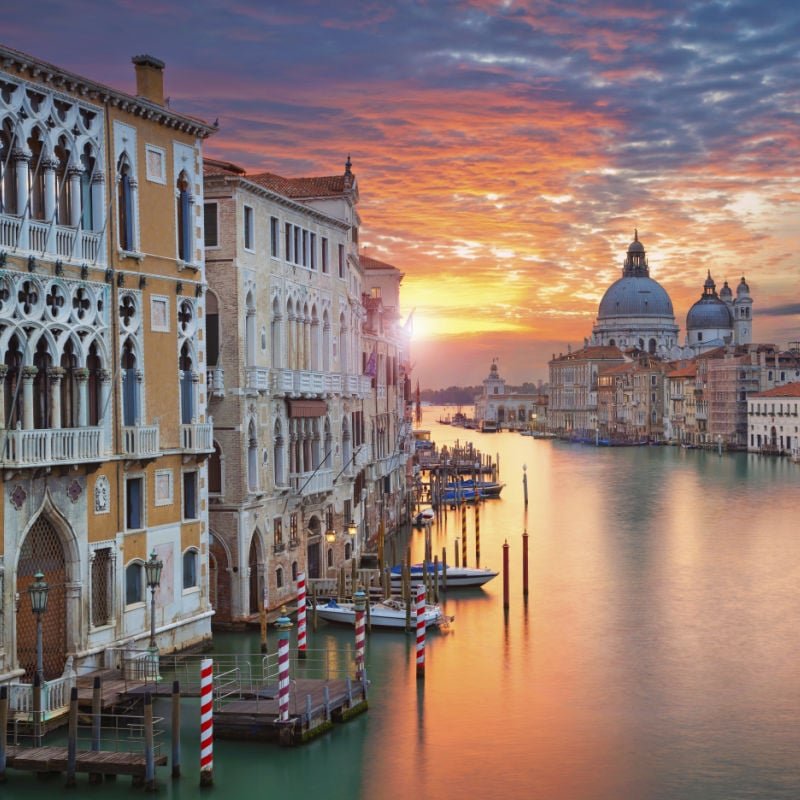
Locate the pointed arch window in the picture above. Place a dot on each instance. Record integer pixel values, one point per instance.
(252, 458)
(278, 459)
(131, 411)
(187, 385)
(8, 170)
(212, 330)
(88, 214)
(36, 182)
(125, 204)
(250, 330)
(184, 218)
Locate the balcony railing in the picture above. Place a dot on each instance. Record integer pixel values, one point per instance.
(257, 378)
(45, 446)
(312, 482)
(141, 441)
(215, 381)
(9, 231)
(197, 437)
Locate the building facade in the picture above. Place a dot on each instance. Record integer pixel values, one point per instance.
(773, 421)
(503, 409)
(105, 429)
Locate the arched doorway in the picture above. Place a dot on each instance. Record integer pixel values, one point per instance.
(42, 551)
(255, 562)
(219, 580)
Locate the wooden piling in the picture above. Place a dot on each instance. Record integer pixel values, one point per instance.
(455, 547)
(407, 595)
(464, 536)
(176, 729)
(97, 720)
(72, 738)
(3, 731)
(342, 585)
(436, 579)
(525, 563)
(314, 604)
(477, 533)
(525, 483)
(444, 569)
(149, 746)
(262, 621)
(505, 574)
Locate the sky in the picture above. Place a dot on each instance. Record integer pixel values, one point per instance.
(505, 151)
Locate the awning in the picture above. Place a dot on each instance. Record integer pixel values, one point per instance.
(307, 408)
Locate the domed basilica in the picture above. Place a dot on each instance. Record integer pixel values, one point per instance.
(636, 312)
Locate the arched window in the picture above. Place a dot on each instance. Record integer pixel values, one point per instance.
(651, 346)
(130, 385)
(215, 471)
(212, 330)
(342, 344)
(275, 334)
(347, 444)
(329, 558)
(184, 218)
(348, 551)
(88, 212)
(294, 571)
(62, 188)
(12, 391)
(252, 458)
(279, 578)
(41, 393)
(8, 171)
(326, 341)
(134, 583)
(190, 569)
(187, 385)
(125, 204)
(250, 330)
(278, 455)
(314, 339)
(36, 182)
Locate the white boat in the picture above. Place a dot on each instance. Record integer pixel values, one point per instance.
(384, 614)
(456, 576)
(424, 517)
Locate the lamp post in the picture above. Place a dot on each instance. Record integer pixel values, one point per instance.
(38, 593)
(152, 571)
(352, 529)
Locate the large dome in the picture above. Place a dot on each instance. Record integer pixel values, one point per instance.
(708, 312)
(635, 296)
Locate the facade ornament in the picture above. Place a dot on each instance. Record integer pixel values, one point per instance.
(102, 493)
(18, 497)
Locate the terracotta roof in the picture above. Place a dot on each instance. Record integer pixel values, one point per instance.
(326, 186)
(211, 166)
(684, 372)
(788, 390)
(617, 369)
(367, 262)
(595, 352)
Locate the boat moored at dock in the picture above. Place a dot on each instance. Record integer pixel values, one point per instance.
(457, 577)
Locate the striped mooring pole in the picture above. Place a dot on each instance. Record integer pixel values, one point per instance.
(420, 592)
(463, 536)
(360, 602)
(477, 533)
(301, 615)
(284, 625)
(206, 722)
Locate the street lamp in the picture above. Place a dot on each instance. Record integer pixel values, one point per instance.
(152, 571)
(330, 535)
(38, 592)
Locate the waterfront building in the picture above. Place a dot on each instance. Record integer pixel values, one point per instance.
(681, 425)
(773, 421)
(105, 430)
(498, 408)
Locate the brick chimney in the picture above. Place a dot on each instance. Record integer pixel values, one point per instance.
(149, 78)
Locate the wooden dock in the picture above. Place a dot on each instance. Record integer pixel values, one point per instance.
(55, 759)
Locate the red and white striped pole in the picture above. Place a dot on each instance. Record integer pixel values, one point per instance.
(420, 591)
(206, 722)
(360, 602)
(301, 615)
(284, 625)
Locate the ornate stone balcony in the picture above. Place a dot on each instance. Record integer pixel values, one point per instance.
(141, 441)
(197, 437)
(308, 483)
(215, 381)
(43, 239)
(47, 446)
(257, 379)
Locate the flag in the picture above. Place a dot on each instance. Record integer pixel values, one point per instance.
(371, 370)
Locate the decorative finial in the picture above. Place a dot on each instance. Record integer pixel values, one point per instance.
(635, 234)
(347, 165)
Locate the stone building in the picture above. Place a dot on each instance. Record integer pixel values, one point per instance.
(773, 421)
(501, 408)
(104, 428)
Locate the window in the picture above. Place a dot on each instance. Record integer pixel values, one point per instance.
(190, 569)
(190, 495)
(341, 261)
(163, 487)
(273, 236)
(210, 225)
(134, 583)
(375, 292)
(305, 249)
(297, 245)
(294, 571)
(277, 527)
(248, 228)
(125, 205)
(293, 528)
(102, 583)
(279, 578)
(313, 251)
(134, 503)
(215, 471)
(287, 245)
(324, 254)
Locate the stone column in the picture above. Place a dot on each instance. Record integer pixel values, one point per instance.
(49, 166)
(98, 200)
(23, 161)
(3, 373)
(105, 393)
(56, 374)
(82, 376)
(74, 176)
(28, 375)
(140, 397)
(134, 184)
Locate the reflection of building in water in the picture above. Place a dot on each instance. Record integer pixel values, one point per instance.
(498, 408)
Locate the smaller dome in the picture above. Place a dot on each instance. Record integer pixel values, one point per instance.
(708, 313)
(709, 284)
(636, 246)
(725, 292)
(742, 288)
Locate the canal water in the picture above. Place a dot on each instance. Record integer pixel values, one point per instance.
(657, 654)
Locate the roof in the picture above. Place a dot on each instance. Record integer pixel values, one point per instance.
(787, 390)
(598, 352)
(367, 262)
(211, 166)
(325, 186)
(684, 372)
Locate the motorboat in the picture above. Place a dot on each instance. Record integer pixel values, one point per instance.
(457, 577)
(384, 614)
(486, 489)
(424, 517)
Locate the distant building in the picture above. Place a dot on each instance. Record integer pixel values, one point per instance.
(773, 421)
(497, 408)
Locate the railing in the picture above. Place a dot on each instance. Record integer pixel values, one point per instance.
(31, 448)
(312, 482)
(141, 441)
(282, 381)
(333, 383)
(198, 437)
(215, 381)
(37, 236)
(9, 230)
(65, 241)
(257, 378)
(55, 695)
(306, 382)
(90, 246)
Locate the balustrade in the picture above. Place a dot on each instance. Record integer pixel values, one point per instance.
(141, 441)
(41, 447)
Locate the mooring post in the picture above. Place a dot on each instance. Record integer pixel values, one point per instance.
(477, 533)
(505, 574)
(436, 579)
(444, 569)
(464, 536)
(206, 722)
(455, 547)
(149, 746)
(301, 615)
(176, 729)
(284, 625)
(72, 738)
(525, 563)
(525, 483)
(420, 632)
(326, 699)
(360, 602)
(262, 623)
(314, 605)
(3, 731)
(97, 719)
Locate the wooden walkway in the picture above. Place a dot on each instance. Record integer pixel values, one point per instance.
(54, 759)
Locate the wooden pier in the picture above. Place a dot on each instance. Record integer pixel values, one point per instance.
(55, 759)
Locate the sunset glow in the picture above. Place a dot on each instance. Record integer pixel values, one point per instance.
(505, 151)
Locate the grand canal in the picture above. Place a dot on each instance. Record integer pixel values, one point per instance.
(656, 656)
